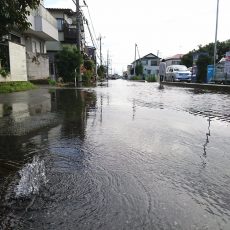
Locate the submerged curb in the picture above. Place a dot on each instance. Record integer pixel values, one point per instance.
(215, 87)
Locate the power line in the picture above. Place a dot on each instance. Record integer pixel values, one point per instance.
(91, 21)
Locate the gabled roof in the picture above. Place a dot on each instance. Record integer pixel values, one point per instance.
(177, 56)
(148, 56)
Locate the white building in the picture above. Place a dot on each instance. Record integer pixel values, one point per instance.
(150, 63)
(174, 60)
(26, 53)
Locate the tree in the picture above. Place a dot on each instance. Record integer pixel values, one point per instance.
(68, 60)
(89, 71)
(187, 59)
(222, 48)
(14, 13)
(202, 63)
(101, 71)
(139, 69)
(89, 65)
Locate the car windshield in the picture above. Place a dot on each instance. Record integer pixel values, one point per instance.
(180, 68)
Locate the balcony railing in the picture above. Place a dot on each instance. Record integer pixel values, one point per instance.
(70, 34)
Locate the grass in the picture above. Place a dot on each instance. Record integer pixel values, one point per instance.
(136, 78)
(10, 87)
(151, 78)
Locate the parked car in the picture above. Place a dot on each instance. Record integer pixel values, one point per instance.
(178, 73)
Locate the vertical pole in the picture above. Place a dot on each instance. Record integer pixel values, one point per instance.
(100, 51)
(78, 24)
(134, 72)
(215, 48)
(107, 64)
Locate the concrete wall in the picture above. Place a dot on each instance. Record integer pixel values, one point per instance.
(44, 26)
(37, 66)
(18, 71)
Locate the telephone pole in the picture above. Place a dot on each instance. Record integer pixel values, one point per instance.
(78, 37)
(99, 38)
(78, 26)
(215, 48)
(134, 72)
(107, 64)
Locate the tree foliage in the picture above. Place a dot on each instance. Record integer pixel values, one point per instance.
(67, 61)
(202, 63)
(14, 13)
(222, 48)
(101, 71)
(139, 69)
(89, 65)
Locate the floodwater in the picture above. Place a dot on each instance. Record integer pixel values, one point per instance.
(126, 155)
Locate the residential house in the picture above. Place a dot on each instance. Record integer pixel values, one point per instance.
(174, 60)
(67, 33)
(150, 63)
(25, 53)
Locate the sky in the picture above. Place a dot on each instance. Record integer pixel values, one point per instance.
(163, 27)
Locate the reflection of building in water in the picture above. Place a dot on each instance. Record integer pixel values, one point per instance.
(74, 106)
(21, 111)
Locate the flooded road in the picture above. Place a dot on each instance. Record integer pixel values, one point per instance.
(126, 155)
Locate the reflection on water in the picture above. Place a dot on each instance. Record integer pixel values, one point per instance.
(127, 155)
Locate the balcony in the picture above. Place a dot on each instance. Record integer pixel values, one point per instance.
(70, 34)
(43, 24)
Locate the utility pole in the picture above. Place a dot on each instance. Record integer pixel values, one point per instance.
(78, 38)
(100, 38)
(107, 64)
(135, 57)
(215, 48)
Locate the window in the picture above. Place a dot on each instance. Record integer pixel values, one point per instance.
(175, 62)
(60, 22)
(153, 63)
(41, 46)
(34, 50)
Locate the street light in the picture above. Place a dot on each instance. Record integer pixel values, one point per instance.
(215, 49)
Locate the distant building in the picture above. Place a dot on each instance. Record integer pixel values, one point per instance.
(150, 63)
(174, 60)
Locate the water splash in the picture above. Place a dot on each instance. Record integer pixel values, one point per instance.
(32, 177)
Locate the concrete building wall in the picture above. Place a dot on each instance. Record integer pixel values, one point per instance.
(37, 66)
(17, 55)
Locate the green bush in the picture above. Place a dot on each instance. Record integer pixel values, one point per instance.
(3, 72)
(136, 78)
(52, 82)
(151, 78)
(68, 60)
(9, 87)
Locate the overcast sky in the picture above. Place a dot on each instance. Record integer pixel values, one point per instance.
(164, 27)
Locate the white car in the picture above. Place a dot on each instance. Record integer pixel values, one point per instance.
(178, 73)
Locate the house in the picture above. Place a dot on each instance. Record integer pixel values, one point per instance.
(150, 63)
(174, 60)
(25, 54)
(67, 33)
